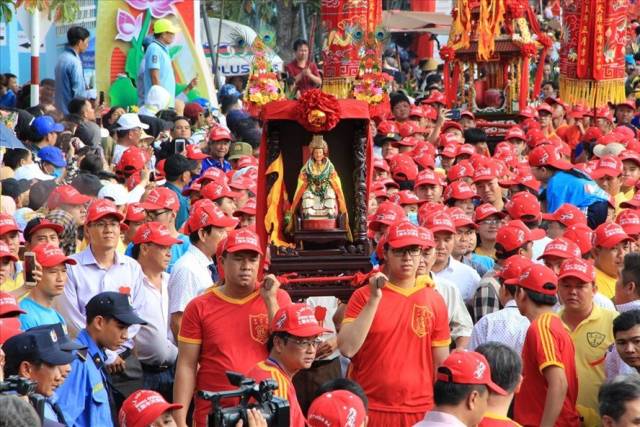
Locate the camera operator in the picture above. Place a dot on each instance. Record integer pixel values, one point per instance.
(292, 346)
(225, 328)
(36, 355)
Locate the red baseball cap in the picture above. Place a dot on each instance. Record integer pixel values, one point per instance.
(485, 210)
(219, 133)
(435, 97)
(427, 238)
(427, 177)
(523, 204)
(460, 219)
(298, 320)
(468, 113)
(388, 127)
(548, 155)
(405, 197)
(561, 248)
(440, 221)
(629, 219)
(66, 195)
(388, 182)
(8, 224)
(468, 367)
(539, 278)
(408, 141)
(195, 153)
(242, 182)
(582, 235)
(416, 111)
(402, 234)
(462, 169)
(515, 234)
(215, 191)
(610, 234)
(135, 213)
(101, 208)
(192, 110)
(249, 208)
(212, 174)
(607, 166)
(634, 203)
(515, 132)
(386, 214)
(9, 306)
(204, 213)
(49, 255)
(449, 150)
(512, 268)
(579, 268)
(195, 187)
(465, 149)
(429, 112)
(5, 252)
(459, 190)
(484, 173)
(143, 407)
(528, 112)
(425, 160)
(403, 167)
(409, 128)
(450, 124)
(448, 139)
(380, 163)
(604, 113)
(242, 239)
(132, 159)
(161, 198)
(154, 232)
(631, 155)
(566, 215)
(338, 408)
(544, 107)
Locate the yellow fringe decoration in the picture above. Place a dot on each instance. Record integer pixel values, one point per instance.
(273, 217)
(340, 87)
(594, 93)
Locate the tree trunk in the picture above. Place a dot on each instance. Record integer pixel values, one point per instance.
(287, 30)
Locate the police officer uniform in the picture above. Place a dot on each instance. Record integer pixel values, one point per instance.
(86, 396)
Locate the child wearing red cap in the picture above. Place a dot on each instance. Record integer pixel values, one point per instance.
(146, 408)
(550, 386)
(401, 315)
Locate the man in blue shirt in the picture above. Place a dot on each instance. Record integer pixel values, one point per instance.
(37, 356)
(69, 73)
(179, 172)
(86, 398)
(218, 148)
(8, 90)
(564, 184)
(157, 62)
(38, 304)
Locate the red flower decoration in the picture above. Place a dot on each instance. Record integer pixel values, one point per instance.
(545, 40)
(318, 111)
(447, 53)
(528, 49)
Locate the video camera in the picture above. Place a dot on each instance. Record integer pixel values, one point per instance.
(273, 409)
(18, 385)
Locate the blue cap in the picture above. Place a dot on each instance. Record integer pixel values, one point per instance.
(52, 155)
(629, 59)
(65, 342)
(228, 90)
(115, 305)
(36, 346)
(44, 125)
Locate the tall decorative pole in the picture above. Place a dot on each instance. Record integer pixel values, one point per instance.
(345, 24)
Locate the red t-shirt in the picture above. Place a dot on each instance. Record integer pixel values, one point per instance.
(492, 420)
(547, 343)
(394, 366)
(267, 369)
(305, 83)
(232, 334)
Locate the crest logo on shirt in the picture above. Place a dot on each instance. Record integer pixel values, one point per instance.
(595, 339)
(421, 320)
(259, 327)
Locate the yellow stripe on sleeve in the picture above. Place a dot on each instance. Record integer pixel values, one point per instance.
(547, 340)
(189, 340)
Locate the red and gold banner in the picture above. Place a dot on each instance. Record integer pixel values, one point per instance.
(592, 66)
(345, 24)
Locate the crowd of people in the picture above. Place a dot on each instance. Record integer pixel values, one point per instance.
(505, 282)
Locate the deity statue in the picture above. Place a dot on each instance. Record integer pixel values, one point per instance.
(318, 198)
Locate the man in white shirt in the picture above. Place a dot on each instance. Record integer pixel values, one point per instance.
(157, 353)
(461, 392)
(446, 267)
(99, 269)
(191, 275)
(506, 326)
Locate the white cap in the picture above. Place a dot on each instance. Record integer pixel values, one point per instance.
(130, 121)
(613, 149)
(115, 192)
(31, 171)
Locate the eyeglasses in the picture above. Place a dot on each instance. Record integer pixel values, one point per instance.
(305, 343)
(105, 224)
(491, 222)
(411, 250)
(156, 214)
